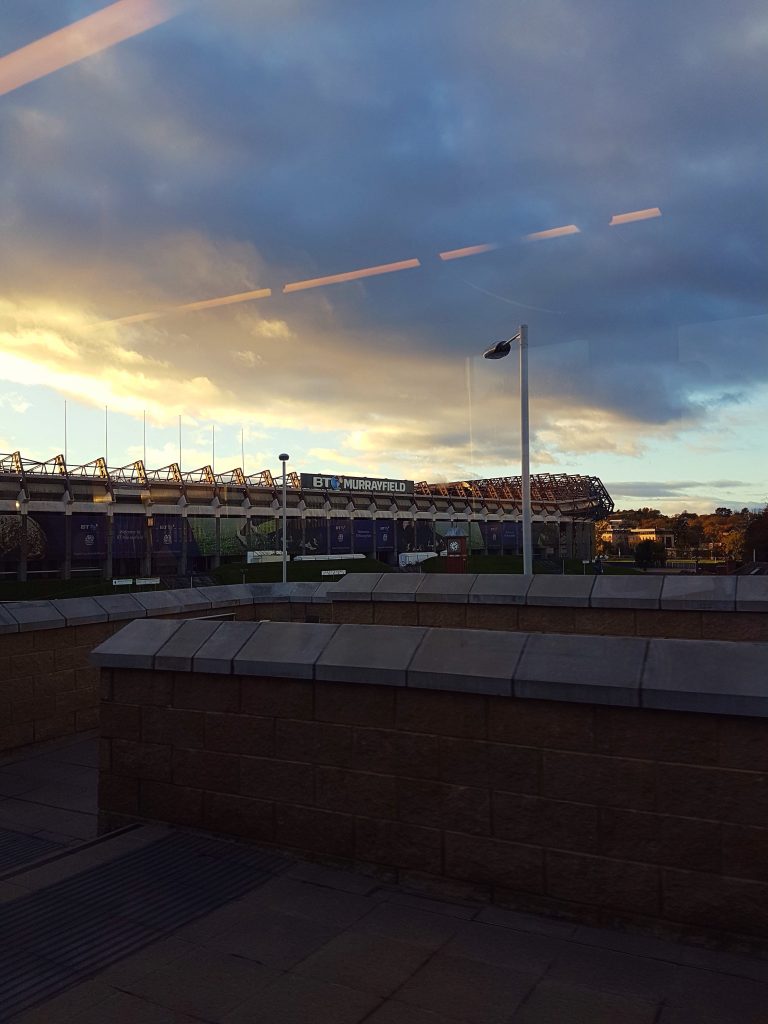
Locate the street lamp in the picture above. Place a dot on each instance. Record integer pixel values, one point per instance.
(499, 351)
(284, 458)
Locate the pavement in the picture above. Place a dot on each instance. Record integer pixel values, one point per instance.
(317, 945)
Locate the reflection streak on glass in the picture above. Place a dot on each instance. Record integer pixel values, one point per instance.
(567, 229)
(224, 300)
(82, 39)
(350, 275)
(469, 250)
(627, 218)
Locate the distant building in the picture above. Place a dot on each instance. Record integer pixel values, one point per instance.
(623, 539)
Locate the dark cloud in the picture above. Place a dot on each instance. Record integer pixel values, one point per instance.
(327, 137)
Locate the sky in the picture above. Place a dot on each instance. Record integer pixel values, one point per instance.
(165, 153)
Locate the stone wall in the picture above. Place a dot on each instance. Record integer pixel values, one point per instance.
(48, 687)
(605, 779)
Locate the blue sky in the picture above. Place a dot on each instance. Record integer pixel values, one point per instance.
(237, 146)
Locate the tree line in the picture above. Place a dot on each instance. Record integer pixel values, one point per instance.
(736, 535)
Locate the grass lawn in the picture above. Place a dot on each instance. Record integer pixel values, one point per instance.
(272, 572)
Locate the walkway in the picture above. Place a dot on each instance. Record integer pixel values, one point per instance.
(314, 945)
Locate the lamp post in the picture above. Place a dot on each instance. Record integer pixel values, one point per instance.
(284, 458)
(499, 351)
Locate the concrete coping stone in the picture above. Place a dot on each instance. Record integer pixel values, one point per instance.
(469, 660)
(369, 654)
(321, 595)
(752, 594)
(218, 651)
(560, 591)
(78, 611)
(356, 586)
(7, 622)
(230, 595)
(398, 586)
(120, 606)
(286, 649)
(708, 676)
(500, 588)
(177, 652)
(261, 593)
(446, 588)
(300, 591)
(699, 593)
(585, 669)
(193, 599)
(136, 645)
(712, 676)
(159, 602)
(35, 615)
(626, 591)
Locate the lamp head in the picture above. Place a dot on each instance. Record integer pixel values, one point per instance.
(500, 349)
(283, 457)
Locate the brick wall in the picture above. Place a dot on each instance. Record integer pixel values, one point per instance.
(48, 686)
(684, 625)
(604, 814)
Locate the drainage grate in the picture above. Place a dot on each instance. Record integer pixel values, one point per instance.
(17, 848)
(54, 938)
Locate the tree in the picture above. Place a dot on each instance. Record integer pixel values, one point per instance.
(648, 553)
(756, 537)
(723, 511)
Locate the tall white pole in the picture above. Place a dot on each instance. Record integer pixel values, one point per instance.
(65, 430)
(525, 457)
(145, 438)
(106, 434)
(179, 440)
(284, 459)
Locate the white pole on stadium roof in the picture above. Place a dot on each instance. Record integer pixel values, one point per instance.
(284, 458)
(499, 351)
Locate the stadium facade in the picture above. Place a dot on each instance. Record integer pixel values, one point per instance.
(67, 521)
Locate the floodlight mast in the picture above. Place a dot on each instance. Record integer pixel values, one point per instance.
(499, 351)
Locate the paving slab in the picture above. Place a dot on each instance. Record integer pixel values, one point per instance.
(626, 591)
(369, 654)
(159, 602)
(136, 645)
(272, 938)
(398, 586)
(470, 660)
(192, 599)
(216, 653)
(7, 622)
(520, 951)
(34, 615)
(587, 669)
(78, 611)
(297, 1000)
(406, 923)
(560, 591)
(574, 1004)
(752, 594)
(355, 586)
(366, 961)
(699, 593)
(121, 606)
(467, 989)
(446, 588)
(177, 653)
(713, 676)
(500, 588)
(287, 649)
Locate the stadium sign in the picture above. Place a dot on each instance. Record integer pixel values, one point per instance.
(373, 485)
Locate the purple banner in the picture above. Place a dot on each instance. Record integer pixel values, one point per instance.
(511, 535)
(341, 536)
(128, 535)
(45, 536)
(89, 535)
(385, 535)
(315, 536)
(167, 534)
(492, 534)
(363, 535)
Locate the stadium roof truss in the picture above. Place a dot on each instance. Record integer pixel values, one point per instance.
(551, 493)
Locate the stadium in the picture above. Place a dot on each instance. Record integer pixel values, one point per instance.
(90, 520)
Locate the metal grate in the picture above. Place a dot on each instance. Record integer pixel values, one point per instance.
(17, 848)
(54, 938)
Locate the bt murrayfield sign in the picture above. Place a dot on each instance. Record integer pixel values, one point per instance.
(374, 485)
